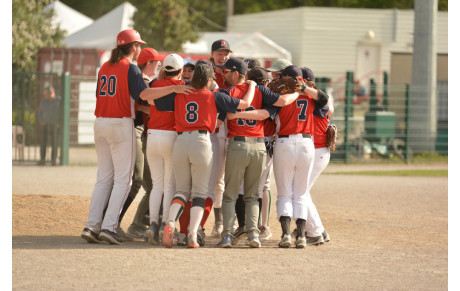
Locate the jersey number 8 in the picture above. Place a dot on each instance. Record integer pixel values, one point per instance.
(192, 115)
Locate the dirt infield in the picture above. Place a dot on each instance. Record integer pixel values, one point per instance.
(386, 233)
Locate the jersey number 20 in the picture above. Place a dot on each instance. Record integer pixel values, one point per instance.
(192, 115)
(108, 86)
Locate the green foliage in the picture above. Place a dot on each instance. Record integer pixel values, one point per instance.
(165, 24)
(31, 30)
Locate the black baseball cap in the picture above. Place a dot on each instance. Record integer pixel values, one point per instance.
(258, 75)
(252, 63)
(220, 44)
(235, 64)
(307, 74)
(291, 71)
(202, 73)
(206, 62)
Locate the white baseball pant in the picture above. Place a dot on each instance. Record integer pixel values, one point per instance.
(292, 164)
(216, 185)
(115, 142)
(159, 153)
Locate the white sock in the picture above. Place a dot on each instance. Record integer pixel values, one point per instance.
(196, 214)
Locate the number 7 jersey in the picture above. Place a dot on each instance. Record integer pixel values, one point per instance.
(297, 117)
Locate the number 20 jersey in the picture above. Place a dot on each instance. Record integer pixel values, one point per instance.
(118, 86)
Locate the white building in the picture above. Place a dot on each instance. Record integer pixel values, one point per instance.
(332, 41)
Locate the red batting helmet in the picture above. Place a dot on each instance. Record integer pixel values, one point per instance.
(127, 36)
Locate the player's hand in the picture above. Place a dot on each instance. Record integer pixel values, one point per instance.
(185, 89)
(251, 83)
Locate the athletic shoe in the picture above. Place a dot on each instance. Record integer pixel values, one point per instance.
(226, 242)
(317, 240)
(254, 242)
(90, 236)
(239, 232)
(200, 236)
(181, 239)
(285, 241)
(153, 234)
(192, 241)
(326, 236)
(301, 242)
(217, 230)
(123, 235)
(111, 237)
(265, 233)
(168, 236)
(162, 231)
(136, 231)
(146, 220)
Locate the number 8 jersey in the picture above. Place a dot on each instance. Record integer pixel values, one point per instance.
(115, 85)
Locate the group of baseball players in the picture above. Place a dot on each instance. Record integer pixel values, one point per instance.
(202, 136)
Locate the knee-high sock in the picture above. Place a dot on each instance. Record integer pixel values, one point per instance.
(196, 214)
(239, 210)
(184, 219)
(285, 224)
(301, 224)
(207, 211)
(265, 209)
(177, 206)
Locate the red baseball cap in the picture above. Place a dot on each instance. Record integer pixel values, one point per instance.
(146, 55)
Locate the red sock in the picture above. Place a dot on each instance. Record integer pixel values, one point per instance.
(184, 219)
(207, 210)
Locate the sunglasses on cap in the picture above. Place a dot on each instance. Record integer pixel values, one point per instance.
(227, 71)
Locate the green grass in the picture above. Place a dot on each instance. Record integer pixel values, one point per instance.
(422, 173)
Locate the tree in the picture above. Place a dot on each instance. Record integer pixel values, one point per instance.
(32, 29)
(165, 25)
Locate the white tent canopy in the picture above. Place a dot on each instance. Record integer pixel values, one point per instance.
(67, 18)
(103, 32)
(244, 45)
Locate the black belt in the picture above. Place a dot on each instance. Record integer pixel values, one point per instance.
(305, 135)
(199, 131)
(242, 138)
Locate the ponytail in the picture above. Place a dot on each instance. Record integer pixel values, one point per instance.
(120, 52)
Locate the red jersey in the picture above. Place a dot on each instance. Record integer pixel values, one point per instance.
(297, 117)
(163, 120)
(195, 111)
(269, 127)
(220, 81)
(118, 86)
(243, 127)
(320, 126)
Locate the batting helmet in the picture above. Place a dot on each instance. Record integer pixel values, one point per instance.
(127, 36)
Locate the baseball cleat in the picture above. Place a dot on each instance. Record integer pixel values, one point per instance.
(314, 241)
(121, 233)
(326, 236)
(301, 242)
(192, 241)
(181, 239)
(254, 242)
(111, 237)
(162, 231)
(217, 230)
(226, 242)
(239, 232)
(168, 236)
(285, 241)
(153, 234)
(135, 231)
(200, 236)
(90, 236)
(265, 233)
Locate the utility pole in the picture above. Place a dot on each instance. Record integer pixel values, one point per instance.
(229, 13)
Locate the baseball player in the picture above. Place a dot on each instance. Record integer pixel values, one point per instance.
(119, 85)
(293, 156)
(187, 72)
(220, 52)
(147, 61)
(277, 67)
(245, 153)
(315, 232)
(195, 117)
(160, 141)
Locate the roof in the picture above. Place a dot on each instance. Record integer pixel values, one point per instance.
(245, 45)
(67, 18)
(102, 33)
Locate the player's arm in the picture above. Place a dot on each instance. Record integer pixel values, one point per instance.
(274, 99)
(258, 114)
(286, 99)
(158, 92)
(144, 109)
(319, 96)
(249, 96)
(330, 103)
